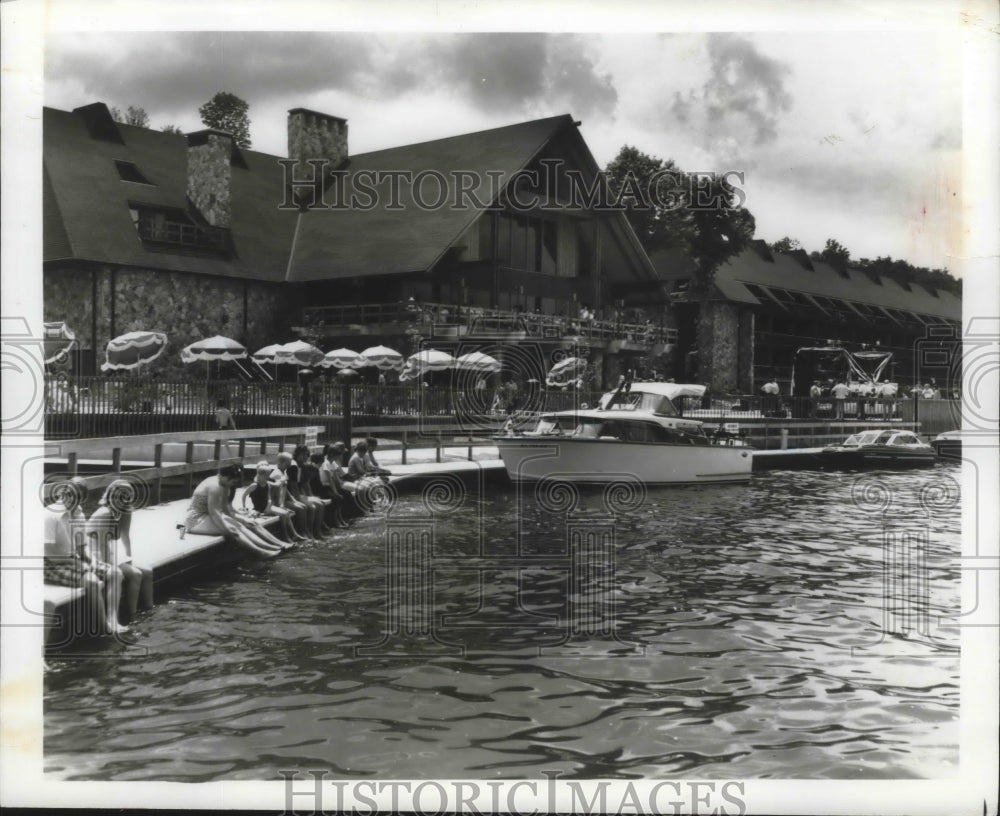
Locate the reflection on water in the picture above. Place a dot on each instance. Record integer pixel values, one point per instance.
(789, 628)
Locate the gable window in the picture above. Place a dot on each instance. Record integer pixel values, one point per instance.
(127, 171)
(528, 243)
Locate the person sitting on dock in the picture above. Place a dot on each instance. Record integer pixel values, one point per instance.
(68, 562)
(372, 467)
(322, 486)
(262, 493)
(299, 486)
(109, 531)
(356, 470)
(280, 476)
(332, 474)
(211, 513)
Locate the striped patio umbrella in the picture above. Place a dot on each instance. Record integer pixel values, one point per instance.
(342, 358)
(381, 357)
(133, 350)
(424, 361)
(213, 348)
(265, 356)
(59, 341)
(477, 361)
(299, 353)
(565, 371)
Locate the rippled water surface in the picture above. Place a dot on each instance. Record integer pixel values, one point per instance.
(769, 630)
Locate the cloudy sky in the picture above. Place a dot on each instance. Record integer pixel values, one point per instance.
(850, 133)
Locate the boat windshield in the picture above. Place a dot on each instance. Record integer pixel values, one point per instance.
(643, 401)
(865, 438)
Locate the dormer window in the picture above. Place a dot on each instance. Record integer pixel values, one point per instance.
(127, 171)
(165, 229)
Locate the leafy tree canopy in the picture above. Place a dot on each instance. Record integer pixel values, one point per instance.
(133, 116)
(786, 244)
(172, 129)
(226, 111)
(701, 213)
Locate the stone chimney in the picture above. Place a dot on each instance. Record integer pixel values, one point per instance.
(313, 135)
(209, 174)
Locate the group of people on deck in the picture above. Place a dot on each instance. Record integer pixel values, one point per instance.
(95, 554)
(311, 493)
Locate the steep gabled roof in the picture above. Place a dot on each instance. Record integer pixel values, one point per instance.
(342, 243)
(87, 203)
(88, 200)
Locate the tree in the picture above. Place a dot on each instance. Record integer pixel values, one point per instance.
(786, 244)
(835, 254)
(226, 111)
(701, 213)
(133, 116)
(172, 129)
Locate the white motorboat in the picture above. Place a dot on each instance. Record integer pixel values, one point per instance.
(634, 434)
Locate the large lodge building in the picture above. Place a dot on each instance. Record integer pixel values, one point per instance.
(196, 236)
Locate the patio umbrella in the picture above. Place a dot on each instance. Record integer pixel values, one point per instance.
(566, 370)
(381, 357)
(59, 341)
(265, 356)
(133, 349)
(213, 348)
(424, 361)
(299, 353)
(477, 361)
(342, 358)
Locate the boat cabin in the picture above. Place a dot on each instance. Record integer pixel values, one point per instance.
(620, 429)
(902, 439)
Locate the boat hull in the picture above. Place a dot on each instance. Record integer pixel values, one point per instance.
(601, 461)
(948, 448)
(876, 456)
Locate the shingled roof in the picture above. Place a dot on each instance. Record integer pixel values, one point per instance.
(794, 272)
(87, 203)
(356, 242)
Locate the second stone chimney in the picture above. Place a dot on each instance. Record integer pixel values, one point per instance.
(209, 175)
(313, 135)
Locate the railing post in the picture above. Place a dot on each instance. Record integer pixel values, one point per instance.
(404, 448)
(437, 457)
(189, 476)
(345, 397)
(157, 463)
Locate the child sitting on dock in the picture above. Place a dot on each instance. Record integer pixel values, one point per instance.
(68, 561)
(262, 494)
(372, 467)
(301, 468)
(109, 531)
(321, 484)
(332, 474)
(211, 513)
(280, 476)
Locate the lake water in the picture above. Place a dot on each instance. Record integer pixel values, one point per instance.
(788, 628)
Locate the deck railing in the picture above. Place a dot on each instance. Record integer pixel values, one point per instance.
(98, 407)
(440, 319)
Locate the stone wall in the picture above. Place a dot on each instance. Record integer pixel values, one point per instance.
(209, 176)
(719, 345)
(187, 307)
(314, 135)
